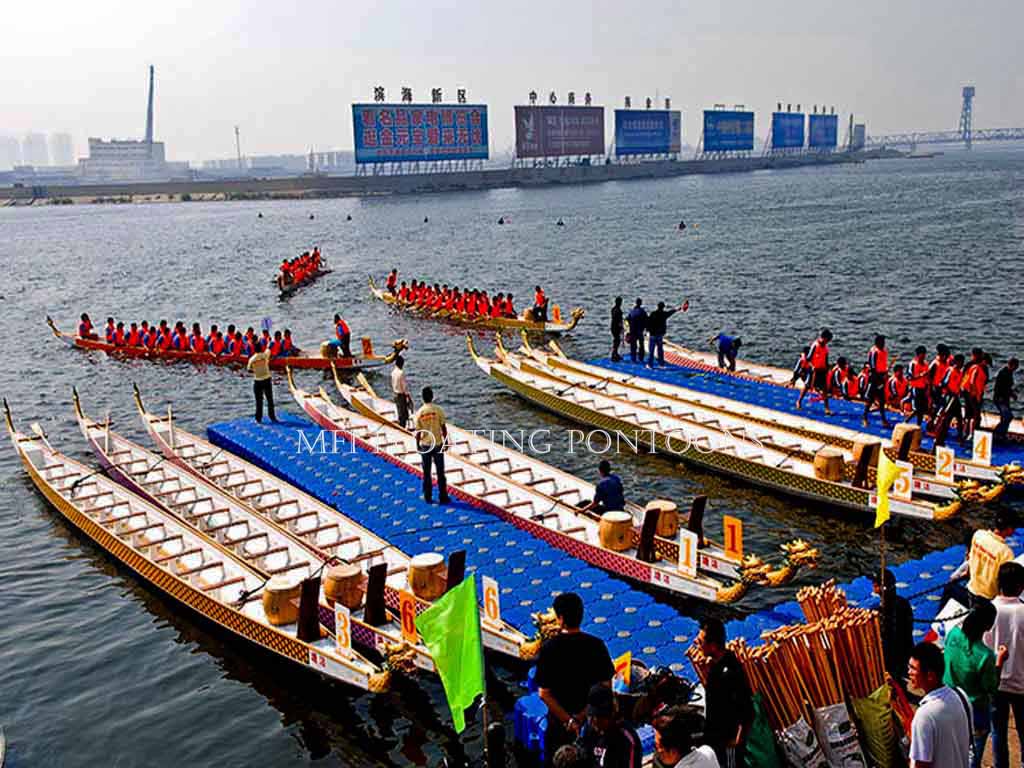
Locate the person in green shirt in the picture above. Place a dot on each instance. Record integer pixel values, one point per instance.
(972, 667)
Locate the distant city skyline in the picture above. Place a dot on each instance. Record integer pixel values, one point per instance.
(288, 78)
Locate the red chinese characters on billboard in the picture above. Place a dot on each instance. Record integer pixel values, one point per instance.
(543, 131)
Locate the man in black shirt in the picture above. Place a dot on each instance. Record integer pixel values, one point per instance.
(609, 742)
(637, 319)
(1002, 393)
(570, 664)
(897, 627)
(616, 329)
(657, 327)
(729, 700)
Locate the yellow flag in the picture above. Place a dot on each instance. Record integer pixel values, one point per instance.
(624, 664)
(886, 475)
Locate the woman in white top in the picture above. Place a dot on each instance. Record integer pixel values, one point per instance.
(674, 734)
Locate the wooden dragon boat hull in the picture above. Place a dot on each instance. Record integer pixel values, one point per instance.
(325, 528)
(290, 289)
(700, 444)
(367, 361)
(172, 557)
(561, 486)
(556, 522)
(488, 323)
(684, 357)
(774, 426)
(268, 547)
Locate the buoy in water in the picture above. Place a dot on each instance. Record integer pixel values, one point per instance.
(560, 223)
(682, 225)
(501, 220)
(260, 215)
(425, 219)
(349, 217)
(311, 216)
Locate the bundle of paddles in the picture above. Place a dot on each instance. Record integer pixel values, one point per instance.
(808, 679)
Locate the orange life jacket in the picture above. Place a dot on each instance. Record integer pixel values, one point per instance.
(819, 355)
(953, 380)
(197, 343)
(897, 389)
(392, 280)
(341, 329)
(938, 368)
(133, 338)
(918, 374)
(878, 359)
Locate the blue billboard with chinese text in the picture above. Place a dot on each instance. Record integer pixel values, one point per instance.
(647, 131)
(395, 133)
(787, 130)
(823, 131)
(728, 131)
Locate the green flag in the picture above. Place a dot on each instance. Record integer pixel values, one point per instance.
(451, 630)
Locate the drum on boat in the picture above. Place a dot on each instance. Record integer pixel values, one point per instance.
(668, 517)
(616, 531)
(868, 447)
(427, 578)
(281, 599)
(829, 464)
(344, 584)
(903, 432)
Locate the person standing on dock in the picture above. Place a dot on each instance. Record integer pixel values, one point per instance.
(730, 702)
(262, 386)
(817, 381)
(918, 386)
(1008, 632)
(570, 664)
(637, 319)
(878, 365)
(896, 625)
(985, 555)
(400, 390)
(431, 432)
(1002, 393)
(616, 328)
(342, 337)
(940, 734)
(657, 327)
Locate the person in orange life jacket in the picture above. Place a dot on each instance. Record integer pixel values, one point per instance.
(896, 388)
(837, 378)
(85, 330)
(392, 281)
(972, 388)
(211, 336)
(265, 340)
(802, 369)
(119, 335)
(234, 348)
(471, 304)
(951, 407)
(876, 373)
(403, 293)
(343, 337)
(250, 341)
(540, 305)
(277, 345)
(109, 330)
(484, 304)
(918, 385)
(510, 309)
(498, 308)
(163, 336)
(196, 341)
(817, 381)
(216, 345)
(179, 338)
(131, 338)
(864, 380)
(288, 348)
(936, 373)
(1002, 393)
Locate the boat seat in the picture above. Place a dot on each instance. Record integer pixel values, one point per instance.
(221, 584)
(91, 496)
(574, 529)
(495, 461)
(202, 567)
(342, 542)
(158, 542)
(271, 551)
(563, 492)
(179, 489)
(184, 553)
(296, 517)
(289, 567)
(516, 504)
(141, 528)
(318, 529)
(277, 505)
(229, 524)
(521, 469)
(58, 478)
(367, 555)
(241, 484)
(539, 481)
(257, 494)
(494, 492)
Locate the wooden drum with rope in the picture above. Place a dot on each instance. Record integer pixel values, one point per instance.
(344, 584)
(427, 578)
(829, 464)
(616, 531)
(281, 599)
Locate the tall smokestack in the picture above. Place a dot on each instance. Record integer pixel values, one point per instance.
(149, 109)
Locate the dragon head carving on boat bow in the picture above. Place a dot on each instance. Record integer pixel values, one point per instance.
(753, 570)
(400, 657)
(973, 491)
(1013, 474)
(547, 627)
(799, 554)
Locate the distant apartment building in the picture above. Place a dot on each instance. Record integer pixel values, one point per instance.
(62, 149)
(34, 151)
(10, 153)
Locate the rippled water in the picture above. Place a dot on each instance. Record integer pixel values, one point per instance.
(99, 670)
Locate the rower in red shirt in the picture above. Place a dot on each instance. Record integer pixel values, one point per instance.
(196, 341)
(540, 305)
(392, 283)
(818, 381)
(119, 335)
(896, 388)
(877, 374)
(510, 310)
(277, 345)
(919, 385)
(498, 307)
(936, 375)
(951, 407)
(287, 345)
(85, 328)
(403, 293)
(217, 344)
(132, 339)
(483, 304)
(109, 331)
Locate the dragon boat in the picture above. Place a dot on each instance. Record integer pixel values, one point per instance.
(182, 563)
(557, 325)
(321, 527)
(321, 361)
(676, 354)
(287, 289)
(297, 546)
(674, 430)
(551, 519)
(979, 482)
(717, 560)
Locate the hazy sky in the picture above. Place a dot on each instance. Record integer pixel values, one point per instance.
(287, 73)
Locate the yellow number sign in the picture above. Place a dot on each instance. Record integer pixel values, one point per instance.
(945, 461)
(982, 453)
(733, 528)
(688, 552)
(492, 601)
(903, 485)
(407, 612)
(343, 630)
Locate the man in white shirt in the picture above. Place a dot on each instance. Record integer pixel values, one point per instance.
(431, 432)
(675, 732)
(941, 732)
(400, 390)
(1008, 632)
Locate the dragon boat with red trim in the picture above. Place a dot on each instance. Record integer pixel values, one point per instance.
(676, 354)
(290, 544)
(674, 430)
(780, 426)
(368, 360)
(713, 559)
(287, 289)
(320, 526)
(185, 565)
(555, 326)
(519, 503)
